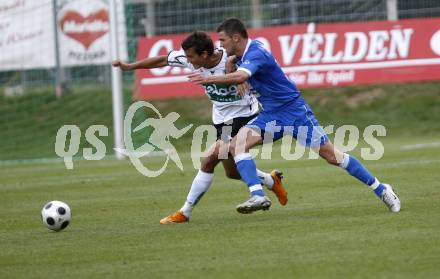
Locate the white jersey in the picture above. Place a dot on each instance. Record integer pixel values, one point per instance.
(226, 104)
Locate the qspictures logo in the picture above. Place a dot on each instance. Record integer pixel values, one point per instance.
(163, 129)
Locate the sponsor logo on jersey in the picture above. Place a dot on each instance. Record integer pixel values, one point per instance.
(222, 92)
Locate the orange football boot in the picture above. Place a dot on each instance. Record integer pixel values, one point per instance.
(177, 217)
(278, 188)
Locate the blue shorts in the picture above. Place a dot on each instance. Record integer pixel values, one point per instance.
(295, 119)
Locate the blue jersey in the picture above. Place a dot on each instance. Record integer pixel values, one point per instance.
(266, 77)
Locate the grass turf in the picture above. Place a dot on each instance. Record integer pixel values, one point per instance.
(332, 227)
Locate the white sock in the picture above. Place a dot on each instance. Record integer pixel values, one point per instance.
(345, 161)
(200, 185)
(375, 184)
(266, 178)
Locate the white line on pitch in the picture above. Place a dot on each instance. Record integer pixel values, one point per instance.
(420, 146)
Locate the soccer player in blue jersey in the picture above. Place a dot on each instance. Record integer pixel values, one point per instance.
(283, 106)
(229, 110)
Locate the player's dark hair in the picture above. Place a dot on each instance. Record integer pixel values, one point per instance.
(200, 41)
(233, 26)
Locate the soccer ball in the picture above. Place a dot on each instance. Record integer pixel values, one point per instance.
(56, 215)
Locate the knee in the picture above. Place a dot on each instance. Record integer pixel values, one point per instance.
(208, 165)
(233, 148)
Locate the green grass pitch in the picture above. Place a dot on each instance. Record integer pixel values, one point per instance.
(332, 227)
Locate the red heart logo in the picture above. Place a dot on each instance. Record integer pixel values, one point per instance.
(85, 30)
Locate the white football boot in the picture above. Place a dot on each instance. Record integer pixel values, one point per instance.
(390, 198)
(255, 203)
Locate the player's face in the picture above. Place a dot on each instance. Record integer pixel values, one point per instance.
(227, 43)
(196, 59)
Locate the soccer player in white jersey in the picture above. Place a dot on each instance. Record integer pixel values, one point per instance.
(283, 107)
(229, 109)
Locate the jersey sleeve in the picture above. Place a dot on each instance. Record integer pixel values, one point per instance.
(253, 61)
(177, 58)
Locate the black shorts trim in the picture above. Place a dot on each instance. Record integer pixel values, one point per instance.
(231, 129)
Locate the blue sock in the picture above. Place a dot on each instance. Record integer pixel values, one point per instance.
(248, 171)
(356, 169)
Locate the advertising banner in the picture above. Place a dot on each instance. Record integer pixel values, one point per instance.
(27, 38)
(26, 34)
(319, 55)
(84, 30)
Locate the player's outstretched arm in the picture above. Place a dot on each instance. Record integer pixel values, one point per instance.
(147, 63)
(237, 77)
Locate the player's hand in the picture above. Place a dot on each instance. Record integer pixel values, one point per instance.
(196, 78)
(243, 88)
(122, 65)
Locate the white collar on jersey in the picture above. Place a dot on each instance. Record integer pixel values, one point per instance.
(246, 49)
(223, 51)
